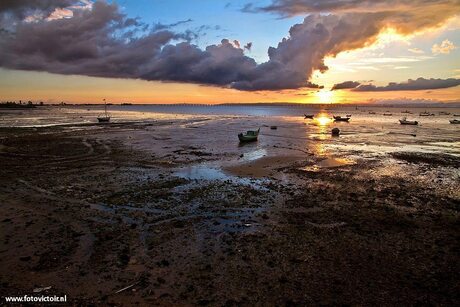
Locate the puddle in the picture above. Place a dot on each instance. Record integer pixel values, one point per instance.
(206, 172)
(202, 172)
(328, 163)
(254, 155)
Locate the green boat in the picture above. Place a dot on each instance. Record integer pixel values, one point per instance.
(249, 136)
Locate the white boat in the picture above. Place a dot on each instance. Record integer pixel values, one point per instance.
(454, 121)
(105, 118)
(404, 121)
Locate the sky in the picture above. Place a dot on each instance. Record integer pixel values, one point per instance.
(210, 51)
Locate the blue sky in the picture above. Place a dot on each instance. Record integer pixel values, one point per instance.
(263, 30)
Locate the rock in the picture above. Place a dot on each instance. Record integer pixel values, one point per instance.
(335, 132)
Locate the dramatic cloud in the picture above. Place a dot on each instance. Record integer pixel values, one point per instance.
(345, 85)
(445, 47)
(105, 43)
(29, 5)
(300, 7)
(96, 39)
(411, 85)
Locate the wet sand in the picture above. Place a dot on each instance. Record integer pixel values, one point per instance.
(178, 213)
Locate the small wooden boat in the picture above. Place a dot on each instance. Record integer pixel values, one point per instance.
(273, 127)
(371, 112)
(348, 115)
(105, 118)
(404, 121)
(444, 113)
(406, 112)
(387, 114)
(309, 116)
(426, 114)
(341, 119)
(454, 121)
(249, 136)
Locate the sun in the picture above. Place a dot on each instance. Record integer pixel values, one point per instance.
(325, 96)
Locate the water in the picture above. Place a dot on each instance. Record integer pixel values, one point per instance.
(49, 115)
(215, 127)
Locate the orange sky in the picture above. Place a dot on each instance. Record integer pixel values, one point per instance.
(52, 88)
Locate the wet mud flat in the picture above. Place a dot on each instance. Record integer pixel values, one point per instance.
(108, 222)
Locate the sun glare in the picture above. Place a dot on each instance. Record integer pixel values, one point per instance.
(325, 96)
(323, 120)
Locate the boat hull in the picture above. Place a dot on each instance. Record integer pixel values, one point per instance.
(103, 119)
(250, 136)
(341, 119)
(247, 138)
(410, 123)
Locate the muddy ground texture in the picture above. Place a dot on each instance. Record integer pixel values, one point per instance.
(90, 216)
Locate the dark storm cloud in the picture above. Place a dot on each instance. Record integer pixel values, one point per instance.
(101, 41)
(85, 44)
(25, 5)
(411, 85)
(345, 85)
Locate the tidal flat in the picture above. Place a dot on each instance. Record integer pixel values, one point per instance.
(176, 212)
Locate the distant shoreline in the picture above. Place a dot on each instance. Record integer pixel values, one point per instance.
(272, 104)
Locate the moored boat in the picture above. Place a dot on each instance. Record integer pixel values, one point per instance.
(454, 121)
(426, 114)
(341, 119)
(249, 136)
(105, 118)
(387, 114)
(404, 121)
(309, 116)
(444, 113)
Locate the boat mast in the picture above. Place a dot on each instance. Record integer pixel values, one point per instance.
(105, 107)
